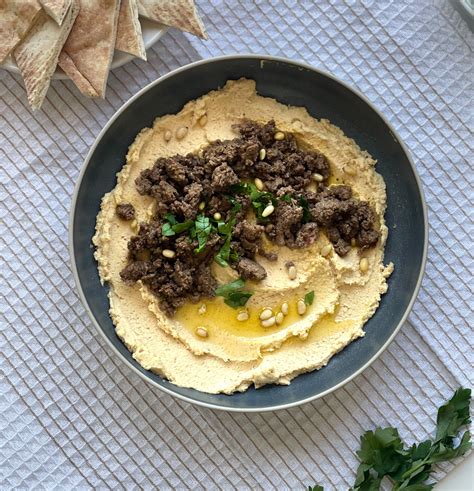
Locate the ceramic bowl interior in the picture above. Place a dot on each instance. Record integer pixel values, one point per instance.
(324, 97)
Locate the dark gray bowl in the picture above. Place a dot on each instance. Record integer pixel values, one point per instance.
(325, 97)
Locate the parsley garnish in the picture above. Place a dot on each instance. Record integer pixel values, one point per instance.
(203, 228)
(172, 226)
(309, 297)
(383, 454)
(233, 294)
(259, 199)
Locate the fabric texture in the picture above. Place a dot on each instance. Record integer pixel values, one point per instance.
(74, 416)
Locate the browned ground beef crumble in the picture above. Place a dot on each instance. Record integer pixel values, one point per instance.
(181, 183)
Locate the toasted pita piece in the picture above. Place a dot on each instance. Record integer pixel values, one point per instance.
(181, 14)
(129, 30)
(88, 51)
(16, 18)
(56, 9)
(37, 55)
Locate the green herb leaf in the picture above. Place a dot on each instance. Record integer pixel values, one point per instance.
(453, 415)
(286, 197)
(304, 204)
(181, 227)
(233, 294)
(237, 299)
(167, 230)
(309, 298)
(203, 229)
(233, 286)
(169, 217)
(315, 488)
(222, 257)
(383, 454)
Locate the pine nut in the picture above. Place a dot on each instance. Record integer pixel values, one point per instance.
(167, 136)
(202, 309)
(202, 120)
(348, 169)
(243, 316)
(284, 308)
(292, 273)
(262, 154)
(266, 314)
(202, 332)
(318, 177)
(279, 135)
(279, 318)
(217, 216)
(326, 250)
(181, 132)
(364, 265)
(268, 211)
(202, 205)
(168, 253)
(269, 322)
(301, 307)
(258, 183)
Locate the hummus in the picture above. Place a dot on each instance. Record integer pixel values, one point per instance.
(238, 354)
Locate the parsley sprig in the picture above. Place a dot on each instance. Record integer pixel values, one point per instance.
(383, 454)
(233, 293)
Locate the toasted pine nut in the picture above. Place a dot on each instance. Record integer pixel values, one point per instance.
(284, 308)
(202, 120)
(279, 135)
(181, 132)
(202, 205)
(167, 136)
(268, 211)
(258, 183)
(217, 216)
(318, 177)
(364, 265)
(242, 316)
(292, 273)
(269, 322)
(348, 169)
(326, 250)
(279, 318)
(266, 314)
(169, 253)
(301, 307)
(262, 154)
(201, 331)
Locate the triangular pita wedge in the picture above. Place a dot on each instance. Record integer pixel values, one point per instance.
(56, 9)
(181, 14)
(88, 51)
(16, 18)
(129, 31)
(37, 55)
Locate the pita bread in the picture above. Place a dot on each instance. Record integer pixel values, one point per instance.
(129, 31)
(88, 51)
(181, 14)
(56, 9)
(16, 18)
(37, 55)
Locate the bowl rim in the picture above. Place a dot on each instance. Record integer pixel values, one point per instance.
(86, 164)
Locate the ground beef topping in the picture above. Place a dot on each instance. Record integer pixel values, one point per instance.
(219, 205)
(125, 211)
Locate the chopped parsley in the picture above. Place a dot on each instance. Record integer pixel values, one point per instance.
(309, 298)
(233, 293)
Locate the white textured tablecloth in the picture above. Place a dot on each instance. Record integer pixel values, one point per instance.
(73, 416)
